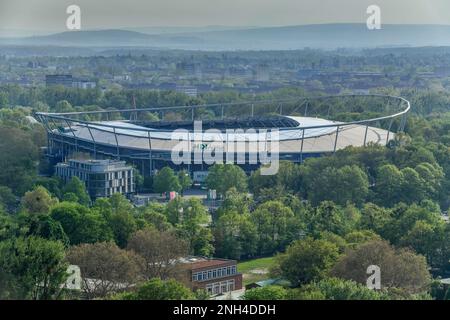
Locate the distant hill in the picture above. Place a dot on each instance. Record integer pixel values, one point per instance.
(89, 38)
(174, 30)
(331, 36)
(324, 36)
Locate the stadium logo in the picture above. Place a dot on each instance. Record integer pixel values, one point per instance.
(239, 146)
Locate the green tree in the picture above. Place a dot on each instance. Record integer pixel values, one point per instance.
(185, 180)
(43, 226)
(70, 197)
(157, 289)
(38, 201)
(200, 239)
(236, 201)
(388, 185)
(34, 268)
(180, 211)
(7, 198)
(346, 184)
(9, 228)
(191, 220)
(431, 240)
(337, 289)
(307, 260)
(4, 100)
(81, 224)
(223, 177)
(405, 218)
(119, 214)
(375, 218)
(234, 236)
(19, 157)
(76, 187)
(153, 215)
(266, 293)
(166, 180)
(339, 241)
(138, 179)
(332, 218)
(413, 187)
(286, 179)
(122, 225)
(276, 226)
(358, 237)
(432, 177)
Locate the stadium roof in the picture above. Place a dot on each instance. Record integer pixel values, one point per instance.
(321, 139)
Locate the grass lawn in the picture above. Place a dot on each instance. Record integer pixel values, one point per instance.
(256, 269)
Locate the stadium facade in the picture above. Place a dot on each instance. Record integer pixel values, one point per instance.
(295, 129)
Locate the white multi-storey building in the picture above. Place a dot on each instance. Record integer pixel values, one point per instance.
(102, 178)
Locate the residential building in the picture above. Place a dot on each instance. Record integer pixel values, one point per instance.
(102, 178)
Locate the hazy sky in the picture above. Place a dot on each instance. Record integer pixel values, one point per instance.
(100, 14)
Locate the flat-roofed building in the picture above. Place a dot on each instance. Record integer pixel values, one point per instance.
(102, 178)
(216, 276)
(65, 80)
(84, 84)
(191, 91)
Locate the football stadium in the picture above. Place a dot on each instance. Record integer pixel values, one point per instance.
(245, 133)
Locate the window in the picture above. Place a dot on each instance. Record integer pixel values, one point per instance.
(209, 274)
(214, 273)
(199, 276)
(233, 270)
(209, 288)
(194, 277)
(205, 274)
(228, 270)
(230, 285)
(223, 287)
(224, 272)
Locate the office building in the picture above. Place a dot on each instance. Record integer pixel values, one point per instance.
(102, 178)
